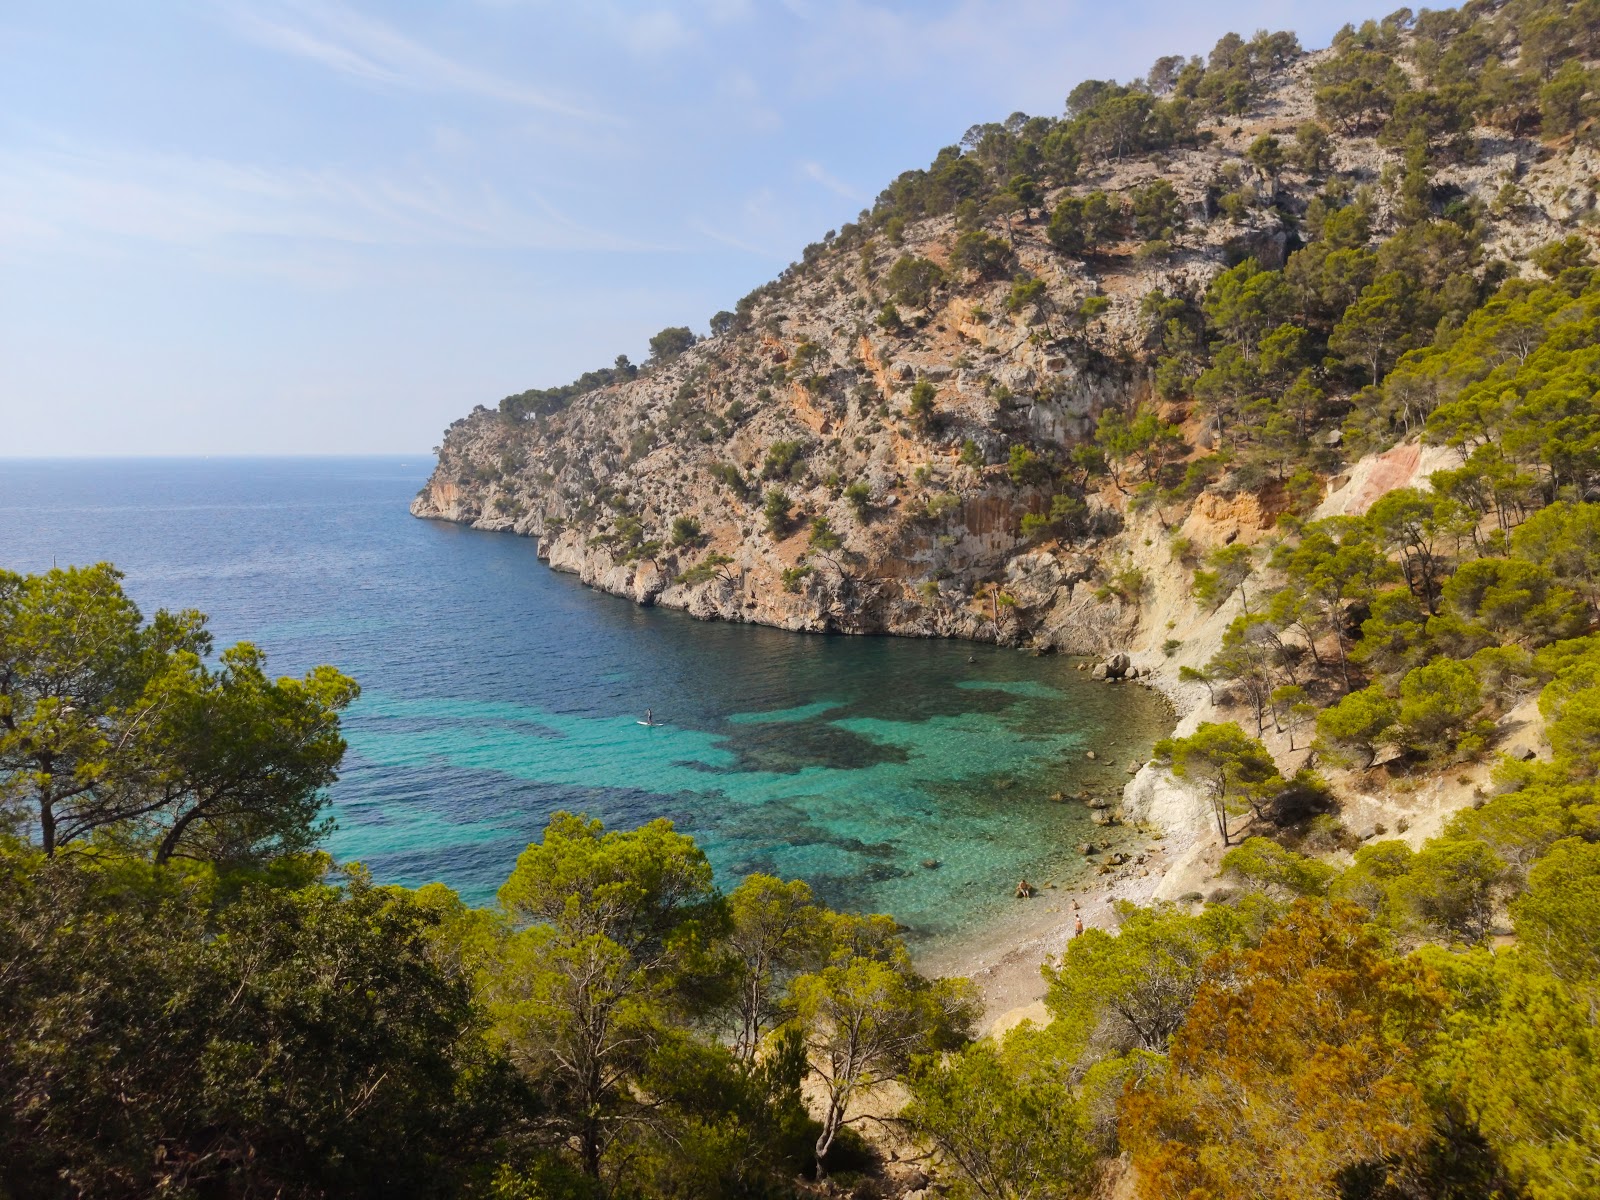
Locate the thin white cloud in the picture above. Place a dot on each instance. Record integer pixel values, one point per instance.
(352, 44)
(655, 33)
(99, 200)
(721, 236)
(664, 28)
(742, 98)
(723, 12)
(302, 44)
(817, 173)
(1025, 52)
(766, 223)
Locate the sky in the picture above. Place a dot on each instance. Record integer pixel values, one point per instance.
(318, 227)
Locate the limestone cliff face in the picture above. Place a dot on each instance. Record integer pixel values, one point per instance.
(657, 488)
(933, 549)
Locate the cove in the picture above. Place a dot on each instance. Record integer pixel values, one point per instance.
(496, 692)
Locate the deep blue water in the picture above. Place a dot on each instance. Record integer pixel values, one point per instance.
(496, 692)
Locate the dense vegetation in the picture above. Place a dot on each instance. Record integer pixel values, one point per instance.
(1419, 1023)
(539, 401)
(226, 1015)
(193, 1002)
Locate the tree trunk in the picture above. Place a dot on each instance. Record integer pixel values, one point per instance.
(591, 1150)
(169, 843)
(831, 1121)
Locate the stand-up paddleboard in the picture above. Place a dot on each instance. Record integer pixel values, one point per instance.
(651, 724)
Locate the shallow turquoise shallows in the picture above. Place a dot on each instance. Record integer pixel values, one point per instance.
(496, 692)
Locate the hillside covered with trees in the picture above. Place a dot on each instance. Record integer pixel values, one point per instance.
(965, 413)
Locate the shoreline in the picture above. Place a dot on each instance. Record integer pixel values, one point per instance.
(1004, 957)
(622, 580)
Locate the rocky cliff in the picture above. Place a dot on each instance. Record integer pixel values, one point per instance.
(857, 449)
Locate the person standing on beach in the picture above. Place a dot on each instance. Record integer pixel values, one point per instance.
(1077, 924)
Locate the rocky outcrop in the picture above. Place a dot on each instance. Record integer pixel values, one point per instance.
(911, 521)
(1409, 464)
(933, 548)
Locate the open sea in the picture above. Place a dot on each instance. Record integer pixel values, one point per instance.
(496, 692)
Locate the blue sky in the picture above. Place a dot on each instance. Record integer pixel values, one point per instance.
(299, 226)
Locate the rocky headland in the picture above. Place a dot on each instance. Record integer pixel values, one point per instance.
(931, 425)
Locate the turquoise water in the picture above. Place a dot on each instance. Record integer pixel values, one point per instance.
(496, 692)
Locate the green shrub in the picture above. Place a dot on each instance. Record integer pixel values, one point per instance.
(686, 532)
(783, 459)
(794, 576)
(775, 511)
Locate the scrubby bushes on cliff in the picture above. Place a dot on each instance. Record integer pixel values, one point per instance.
(784, 459)
(1083, 224)
(1068, 516)
(981, 253)
(777, 512)
(538, 402)
(670, 343)
(686, 532)
(712, 566)
(912, 280)
(859, 496)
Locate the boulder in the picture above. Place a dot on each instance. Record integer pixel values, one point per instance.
(1521, 750)
(1100, 671)
(1269, 247)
